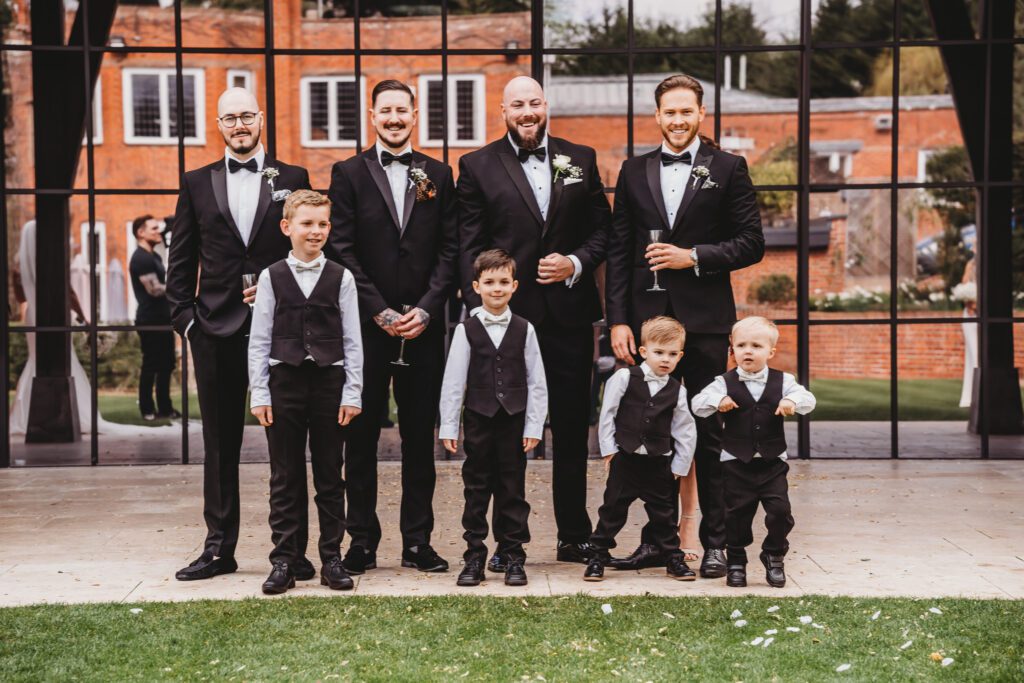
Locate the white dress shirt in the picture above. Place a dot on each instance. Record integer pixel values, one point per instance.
(684, 429)
(306, 276)
(398, 177)
(706, 402)
(453, 388)
(244, 192)
(674, 178)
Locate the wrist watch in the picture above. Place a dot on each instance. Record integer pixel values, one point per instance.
(693, 255)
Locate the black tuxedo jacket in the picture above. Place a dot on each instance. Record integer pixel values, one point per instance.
(414, 265)
(497, 209)
(721, 221)
(207, 248)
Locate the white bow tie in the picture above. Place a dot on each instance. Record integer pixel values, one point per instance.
(752, 376)
(300, 266)
(489, 319)
(651, 377)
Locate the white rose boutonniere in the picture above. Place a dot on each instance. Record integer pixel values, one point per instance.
(702, 173)
(562, 163)
(276, 195)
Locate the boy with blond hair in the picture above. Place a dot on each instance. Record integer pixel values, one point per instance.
(753, 400)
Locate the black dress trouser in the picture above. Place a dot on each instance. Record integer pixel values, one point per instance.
(157, 366)
(649, 478)
(747, 484)
(305, 402)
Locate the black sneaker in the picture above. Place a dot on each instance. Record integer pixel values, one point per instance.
(280, 580)
(775, 569)
(358, 559)
(472, 574)
(334, 576)
(736, 576)
(574, 552)
(515, 575)
(677, 569)
(303, 569)
(424, 558)
(498, 564)
(594, 570)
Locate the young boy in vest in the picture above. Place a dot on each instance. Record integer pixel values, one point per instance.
(754, 399)
(647, 436)
(306, 376)
(494, 361)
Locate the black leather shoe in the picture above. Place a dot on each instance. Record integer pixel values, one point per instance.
(574, 552)
(515, 575)
(645, 555)
(303, 569)
(713, 564)
(207, 567)
(775, 569)
(472, 574)
(334, 576)
(423, 558)
(358, 559)
(677, 568)
(280, 580)
(595, 569)
(736, 576)
(498, 564)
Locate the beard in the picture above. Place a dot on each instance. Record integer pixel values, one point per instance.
(527, 144)
(238, 146)
(397, 145)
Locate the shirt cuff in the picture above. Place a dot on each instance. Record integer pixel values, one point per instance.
(696, 266)
(710, 406)
(534, 430)
(577, 271)
(448, 431)
(260, 397)
(188, 328)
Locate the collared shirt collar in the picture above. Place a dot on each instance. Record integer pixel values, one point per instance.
(515, 147)
(650, 375)
(692, 148)
(260, 156)
(745, 376)
(293, 261)
(380, 148)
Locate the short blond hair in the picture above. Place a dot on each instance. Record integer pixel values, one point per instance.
(303, 198)
(662, 330)
(753, 324)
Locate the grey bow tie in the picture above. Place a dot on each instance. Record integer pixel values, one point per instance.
(300, 266)
(752, 377)
(488, 319)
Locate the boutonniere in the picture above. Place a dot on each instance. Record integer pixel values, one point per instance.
(702, 173)
(270, 173)
(425, 187)
(564, 169)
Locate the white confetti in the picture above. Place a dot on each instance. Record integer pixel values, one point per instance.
(806, 620)
(907, 644)
(773, 608)
(947, 661)
(771, 632)
(793, 629)
(935, 610)
(136, 610)
(817, 625)
(757, 641)
(736, 614)
(669, 615)
(767, 642)
(876, 615)
(741, 623)
(606, 608)
(842, 667)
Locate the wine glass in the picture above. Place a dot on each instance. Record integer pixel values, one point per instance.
(248, 281)
(401, 348)
(656, 236)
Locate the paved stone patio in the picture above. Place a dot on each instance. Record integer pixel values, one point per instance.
(874, 528)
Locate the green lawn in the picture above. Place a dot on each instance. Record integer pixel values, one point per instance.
(506, 639)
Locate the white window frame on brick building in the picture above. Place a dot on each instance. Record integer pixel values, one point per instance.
(475, 117)
(333, 138)
(97, 116)
(166, 80)
(100, 228)
(241, 78)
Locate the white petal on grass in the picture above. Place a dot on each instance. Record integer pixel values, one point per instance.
(741, 623)
(773, 608)
(806, 619)
(935, 610)
(606, 608)
(842, 667)
(876, 615)
(907, 644)
(136, 610)
(669, 615)
(793, 629)
(767, 642)
(771, 632)
(736, 614)
(947, 661)
(817, 625)
(757, 641)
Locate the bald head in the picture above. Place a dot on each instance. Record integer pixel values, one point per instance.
(240, 121)
(521, 87)
(236, 101)
(525, 111)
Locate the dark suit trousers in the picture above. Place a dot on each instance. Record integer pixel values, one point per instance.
(157, 366)
(568, 355)
(305, 403)
(495, 467)
(705, 356)
(649, 478)
(746, 485)
(417, 389)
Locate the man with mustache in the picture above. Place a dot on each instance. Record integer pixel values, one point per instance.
(226, 224)
(540, 198)
(394, 228)
(703, 200)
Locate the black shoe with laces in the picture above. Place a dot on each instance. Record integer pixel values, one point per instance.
(334, 576)
(303, 569)
(574, 552)
(280, 580)
(736, 576)
(515, 575)
(677, 568)
(472, 574)
(775, 569)
(424, 558)
(712, 566)
(497, 564)
(595, 569)
(645, 556)
(358, 559)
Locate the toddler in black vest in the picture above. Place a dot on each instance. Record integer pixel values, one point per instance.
(753, 400)
(494, 362)
(647, 437)
(306, 376)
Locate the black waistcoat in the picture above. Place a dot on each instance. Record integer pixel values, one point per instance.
(307, 327)
(643, 419)
(497, 376)
(754, 427)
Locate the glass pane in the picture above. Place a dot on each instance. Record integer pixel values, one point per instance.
(653, 69)
(318, 110)
(585, 24)
(145, 89)
(327, 22)
(768, 288)
(229, 23)
(435, 109)
(189, 86)
(768, 23)
(18, 123)
(1018, 108)
(852, 22)
(347, 126)
(850, 377)
(146, 24)
(385, 25)
(465, 108)
(489, 25)
(661, 24)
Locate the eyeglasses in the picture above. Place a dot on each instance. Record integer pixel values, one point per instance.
(231, 120)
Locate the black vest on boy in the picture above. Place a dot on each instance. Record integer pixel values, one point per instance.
(497, 376)
(645, 420)
(307, 327)
(754, 427)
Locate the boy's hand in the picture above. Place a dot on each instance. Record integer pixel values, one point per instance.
(786, 407)
(623, 344)
(450, 445)
(249, 295)
(347, 413)
(726, 405)
(608, 462)
(265, 414)
(529, 444)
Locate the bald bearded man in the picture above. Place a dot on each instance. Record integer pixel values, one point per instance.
(540, 198)
(226, 225)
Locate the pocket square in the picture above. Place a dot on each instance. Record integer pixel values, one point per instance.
(572, 181)
(280, 195)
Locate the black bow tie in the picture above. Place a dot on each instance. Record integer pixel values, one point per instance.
(669, 159)
(387, 157)
(234, 165)
(524, 154)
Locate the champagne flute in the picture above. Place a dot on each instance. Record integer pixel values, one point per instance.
(249, 281)
(401, 347)
(656, 236)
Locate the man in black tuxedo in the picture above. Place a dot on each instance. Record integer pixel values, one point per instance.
(226, 224)
(704, 201)
(394, 227)
(540, 198)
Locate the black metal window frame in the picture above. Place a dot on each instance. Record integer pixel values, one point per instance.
(536, 52)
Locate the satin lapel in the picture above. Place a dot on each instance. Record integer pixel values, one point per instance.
(410, 195)
(264, 202)
(653, 167)
(518, 176)
(703, 159)
(381, 179)
(219, 180)
(556, 187)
